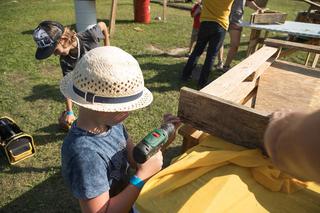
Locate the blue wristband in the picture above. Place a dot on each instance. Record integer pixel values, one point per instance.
(137, 182)
(69, 113)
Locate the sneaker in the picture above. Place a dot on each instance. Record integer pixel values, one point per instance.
(219, 65)
(185, 79)
(226, 68)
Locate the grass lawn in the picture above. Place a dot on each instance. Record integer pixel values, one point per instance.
(30, 92)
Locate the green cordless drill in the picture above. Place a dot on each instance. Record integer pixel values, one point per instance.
(152, 143)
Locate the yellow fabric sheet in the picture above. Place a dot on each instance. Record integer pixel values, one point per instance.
(217, 176)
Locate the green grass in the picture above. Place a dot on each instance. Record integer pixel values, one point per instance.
(30, 92)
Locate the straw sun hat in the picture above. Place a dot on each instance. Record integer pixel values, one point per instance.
(107, 79)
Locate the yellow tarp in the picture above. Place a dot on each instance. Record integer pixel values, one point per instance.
(217, 176)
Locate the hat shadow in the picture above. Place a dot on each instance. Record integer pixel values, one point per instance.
(45, 91)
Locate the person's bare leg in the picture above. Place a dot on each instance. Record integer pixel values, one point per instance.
(235, 36)
(191, 46)
(220, 58)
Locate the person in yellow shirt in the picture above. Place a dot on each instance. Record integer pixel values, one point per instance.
(214, 24)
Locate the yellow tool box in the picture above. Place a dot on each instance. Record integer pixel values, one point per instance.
(16, 144)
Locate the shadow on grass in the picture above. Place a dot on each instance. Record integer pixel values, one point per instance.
(45, 91)
(118, 21)
(49, 196)
(167, 77)
(15, 170)
(49, 134)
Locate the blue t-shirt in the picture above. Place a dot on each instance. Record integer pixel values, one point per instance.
(90, 163)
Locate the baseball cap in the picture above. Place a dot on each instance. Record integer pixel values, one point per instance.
(47, 36)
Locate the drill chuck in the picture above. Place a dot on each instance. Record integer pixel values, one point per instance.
(151, 143)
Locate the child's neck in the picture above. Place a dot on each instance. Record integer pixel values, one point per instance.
(91, 122)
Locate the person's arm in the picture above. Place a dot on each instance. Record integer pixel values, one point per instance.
(105, 32)
(69, 118)
(123, 201)
(254, 6)
(130, 147)
(196, 11)
(292, 140)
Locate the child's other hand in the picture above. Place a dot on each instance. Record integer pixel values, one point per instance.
(169, 118)
(262, 10)
(150, 167)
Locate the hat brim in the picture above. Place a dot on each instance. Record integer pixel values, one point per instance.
(66, 87)
(43, 53)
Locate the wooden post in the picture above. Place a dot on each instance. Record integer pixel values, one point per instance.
(253, 42)
(315, 61)
(113, 17)
(164, 14)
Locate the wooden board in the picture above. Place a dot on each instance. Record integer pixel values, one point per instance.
(232, 122)
(292, 45)
(268, 17)
(248, 70)
(289, 86)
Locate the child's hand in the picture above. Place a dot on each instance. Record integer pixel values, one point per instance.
(169, 118)
(150, 167)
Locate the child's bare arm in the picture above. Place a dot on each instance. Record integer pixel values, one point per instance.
(105, 32)
(253, 5)
(130, 147)
(124, 201)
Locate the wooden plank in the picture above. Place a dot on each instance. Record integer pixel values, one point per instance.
(312, 3)
(315, 61)
(229, 81)
(307, 59)
(255, 75)
(240, 92)
(113, 17)
(232, 122)
(292, 45)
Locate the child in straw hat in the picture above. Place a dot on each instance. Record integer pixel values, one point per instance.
(52, 37)
(106, 84)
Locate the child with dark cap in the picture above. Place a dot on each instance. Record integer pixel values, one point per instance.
(52, 37)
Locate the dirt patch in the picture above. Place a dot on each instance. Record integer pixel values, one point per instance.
(51, 71)
(176, 52)
(16, 78)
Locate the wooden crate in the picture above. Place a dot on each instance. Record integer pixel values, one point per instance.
(268, 17)
(236, 106)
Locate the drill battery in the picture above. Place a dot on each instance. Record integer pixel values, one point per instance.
(16, 144)
(152, 143)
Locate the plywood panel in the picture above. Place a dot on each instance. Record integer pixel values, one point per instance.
(289, 86)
